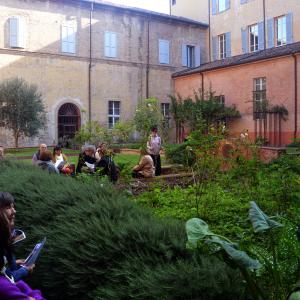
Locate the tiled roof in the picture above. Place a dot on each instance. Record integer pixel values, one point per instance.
(99, 3)
(243, 59)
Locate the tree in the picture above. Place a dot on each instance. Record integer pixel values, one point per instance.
(21, 108)
(148, 115)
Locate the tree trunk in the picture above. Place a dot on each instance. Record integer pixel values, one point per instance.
(16, 136)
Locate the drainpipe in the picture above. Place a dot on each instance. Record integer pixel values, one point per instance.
(209, 32)
(148, 59)
(170, 7)
(202, 85)
(90, 67)
(296, 94)
(264, 12)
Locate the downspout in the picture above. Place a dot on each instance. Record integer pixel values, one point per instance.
(264, 13)
(202, 85)
(209, 32)
(170, 7)
(90, 66)
(296, 94)
(148, 58)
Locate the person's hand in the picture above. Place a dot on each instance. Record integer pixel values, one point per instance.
(30, 268)
(20, 261)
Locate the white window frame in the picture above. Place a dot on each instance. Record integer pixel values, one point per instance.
(17, 32)
(259, 96)
(115, 117)
(222, 46)
(253, 38)
(68, 41)
(109, 50)
(221, 5)
(163, 57)
(280, 31)
(191, 60)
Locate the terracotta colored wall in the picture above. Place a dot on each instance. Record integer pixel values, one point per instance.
(236, 83)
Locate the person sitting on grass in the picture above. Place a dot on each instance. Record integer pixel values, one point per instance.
(86, 160)
(145, 168)
(106, 164)
(61, 162)
(9, 288)
(36, 156)
(46, 162)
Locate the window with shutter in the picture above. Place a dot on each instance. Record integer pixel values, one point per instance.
(68, 39)
(110, 44)
(280, 31)
(16, 32)
(164, 52)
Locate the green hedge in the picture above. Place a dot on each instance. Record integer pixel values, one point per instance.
(100, 245)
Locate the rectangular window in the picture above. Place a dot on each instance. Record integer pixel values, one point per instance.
(164, 52)
(221, 5)
(173, 2)
(280, 31)
(16, 32)
(222, 46)
(253, 38)
(113, 113)
(190, 56)
(259, 97)
(221, 99)
(68, 39)
(110, 44)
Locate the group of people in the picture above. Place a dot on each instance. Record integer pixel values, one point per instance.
(100, 161)
(54, 162)
(12, 271)
(90, 160)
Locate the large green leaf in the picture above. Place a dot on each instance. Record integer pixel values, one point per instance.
(260, 221)
(239, 257)
(294, 296)
(196, 230)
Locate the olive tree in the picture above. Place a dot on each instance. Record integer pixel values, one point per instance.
(21, 108)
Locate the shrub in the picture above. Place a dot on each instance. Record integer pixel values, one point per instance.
(100, 245)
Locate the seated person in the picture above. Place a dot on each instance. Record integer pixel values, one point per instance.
(145, 168)
(36, 156)
(9, 289)
(60, 161)
(106, 164)
(86, 160)
(46, 162)
(101, 149)
(15, 269)
(1, 152)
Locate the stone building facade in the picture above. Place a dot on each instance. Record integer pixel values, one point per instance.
(94, 61)
(243, 26)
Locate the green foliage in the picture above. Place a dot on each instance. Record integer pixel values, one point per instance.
(203, 109)
(21, 108)
(147, 115)
(100, 245)
(122, 131)
(92, 132)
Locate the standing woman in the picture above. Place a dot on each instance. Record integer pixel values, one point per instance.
(154, 147)
(9, 290)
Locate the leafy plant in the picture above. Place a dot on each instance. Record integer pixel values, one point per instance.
(197, 230)
(21, 108)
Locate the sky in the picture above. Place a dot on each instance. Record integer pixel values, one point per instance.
(156, 5)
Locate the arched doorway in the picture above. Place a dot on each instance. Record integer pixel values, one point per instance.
(68, 120)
